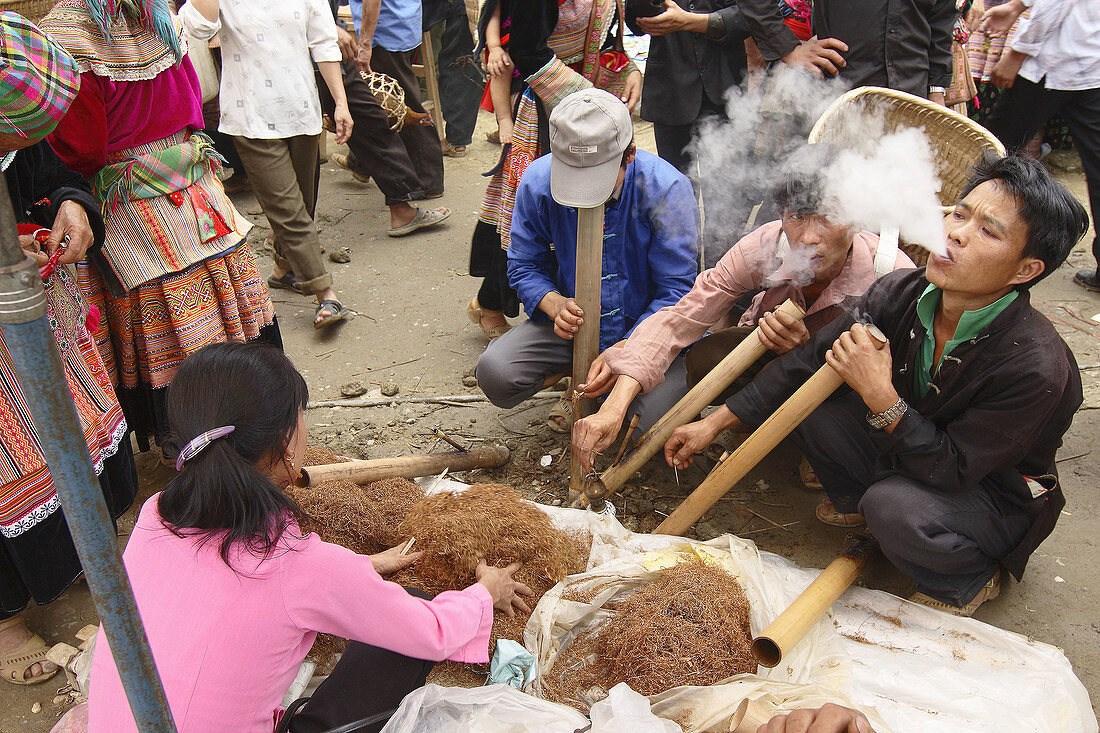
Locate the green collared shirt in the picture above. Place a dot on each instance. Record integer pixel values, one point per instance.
(971, 323)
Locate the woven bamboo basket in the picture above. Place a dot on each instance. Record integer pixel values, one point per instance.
(957, 142)
(390, 96)
(32, 10)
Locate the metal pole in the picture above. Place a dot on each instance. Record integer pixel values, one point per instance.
(30, 342)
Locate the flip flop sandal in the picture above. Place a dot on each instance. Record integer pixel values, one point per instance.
(289, 281)
(560, 419)
(337, 313)
(808, 476)
(14, 664)
(424, 218)
(827, 514)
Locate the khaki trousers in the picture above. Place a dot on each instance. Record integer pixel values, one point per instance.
(284, 175)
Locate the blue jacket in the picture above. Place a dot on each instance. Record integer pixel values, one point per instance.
(649, 249)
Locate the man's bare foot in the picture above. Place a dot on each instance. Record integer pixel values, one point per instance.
(401, 214)
(14, 634)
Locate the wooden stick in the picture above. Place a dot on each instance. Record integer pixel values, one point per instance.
(441, 399)
(626, 438)
(408, 546)
(404, 466)
(790, 626)
(451, 441)
(737, 361)
(758, 445)
(586, 342)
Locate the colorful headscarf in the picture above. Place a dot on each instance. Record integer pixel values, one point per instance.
(38, 79)
(156, 15)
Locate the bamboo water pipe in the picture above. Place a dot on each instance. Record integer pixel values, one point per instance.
(586, 342)
(721, 376)
(777, 427)
(376, 469)
(789, 627)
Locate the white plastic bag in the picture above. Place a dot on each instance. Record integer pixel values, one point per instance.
(491, 709)
(626, 710)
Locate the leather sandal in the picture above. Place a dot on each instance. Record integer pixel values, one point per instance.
(475, 313)
(15, 664)
(808, 476)
(337, 313)
(288, 281)
(560, 419)
(989, 591)
(827, 514)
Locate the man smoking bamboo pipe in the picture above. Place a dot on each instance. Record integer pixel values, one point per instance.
(946, 440)
(816, 261)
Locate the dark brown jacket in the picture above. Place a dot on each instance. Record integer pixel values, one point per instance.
(997, 411)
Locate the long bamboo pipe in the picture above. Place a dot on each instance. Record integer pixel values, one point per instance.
(376, 469)
(586, 342)
(702, 394)
(758, 445)
(789, 627)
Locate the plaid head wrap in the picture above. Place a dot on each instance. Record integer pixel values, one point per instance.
(38, 79)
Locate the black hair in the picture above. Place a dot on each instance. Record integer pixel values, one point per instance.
(630, 150)
(220, 491)
(801, 186)
(1055, 219)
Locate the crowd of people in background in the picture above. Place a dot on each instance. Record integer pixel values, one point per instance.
(115, 145)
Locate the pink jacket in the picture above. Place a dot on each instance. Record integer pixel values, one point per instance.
(658, 339)
(228, 644)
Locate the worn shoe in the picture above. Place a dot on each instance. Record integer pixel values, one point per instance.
(453, 151)
(989, 591)
(475, 313)
(808, 476)
(342, 160)
(827, 514)
(1088, 280)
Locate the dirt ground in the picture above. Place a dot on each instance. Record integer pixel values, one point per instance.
(409, 295)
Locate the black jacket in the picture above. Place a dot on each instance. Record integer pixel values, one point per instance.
(36, 176)
(997, 412)
(900, 44)
(683, 66)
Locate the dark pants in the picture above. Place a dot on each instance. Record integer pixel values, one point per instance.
(421, 143)
(948, 543)
(376, 150)
(460, 80)
(367, 681)
(673, 140)
(1024, 109)
(708, 351)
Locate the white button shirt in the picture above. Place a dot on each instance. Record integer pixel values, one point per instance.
(268, 89)
(1061, 39)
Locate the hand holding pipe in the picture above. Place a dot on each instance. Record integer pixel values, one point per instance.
(730, 368)
(363, 472)
(758, 445)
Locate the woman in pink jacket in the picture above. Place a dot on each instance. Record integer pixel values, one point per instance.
(232, 594)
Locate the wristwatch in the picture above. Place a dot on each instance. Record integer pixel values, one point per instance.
(882, 420)
(936, 90)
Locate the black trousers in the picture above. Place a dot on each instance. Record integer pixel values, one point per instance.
(460, 79)
(367, 681)
(421, 143)
(948, 543)
(1025, 107)
(376, 150)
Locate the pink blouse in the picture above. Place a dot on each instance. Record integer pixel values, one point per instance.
(108, 116)
(228, 644)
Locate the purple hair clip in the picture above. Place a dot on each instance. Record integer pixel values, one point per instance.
(199, 442)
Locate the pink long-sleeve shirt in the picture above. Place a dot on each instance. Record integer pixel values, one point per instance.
(228, 644)
(745, 268)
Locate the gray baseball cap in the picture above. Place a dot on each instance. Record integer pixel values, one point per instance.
(589, 132)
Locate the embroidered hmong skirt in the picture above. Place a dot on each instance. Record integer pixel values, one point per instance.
(154, 327)
(37, 557)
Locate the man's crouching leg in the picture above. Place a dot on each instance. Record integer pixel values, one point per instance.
(515, 366)
(948, 543)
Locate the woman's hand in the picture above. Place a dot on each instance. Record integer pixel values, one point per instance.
(72, 222)
(344, 123)
(503, 587)
(390, 561)
(632, 90)
(499, 63)
(31, 246)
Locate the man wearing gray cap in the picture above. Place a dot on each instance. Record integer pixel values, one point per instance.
(649, 251)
